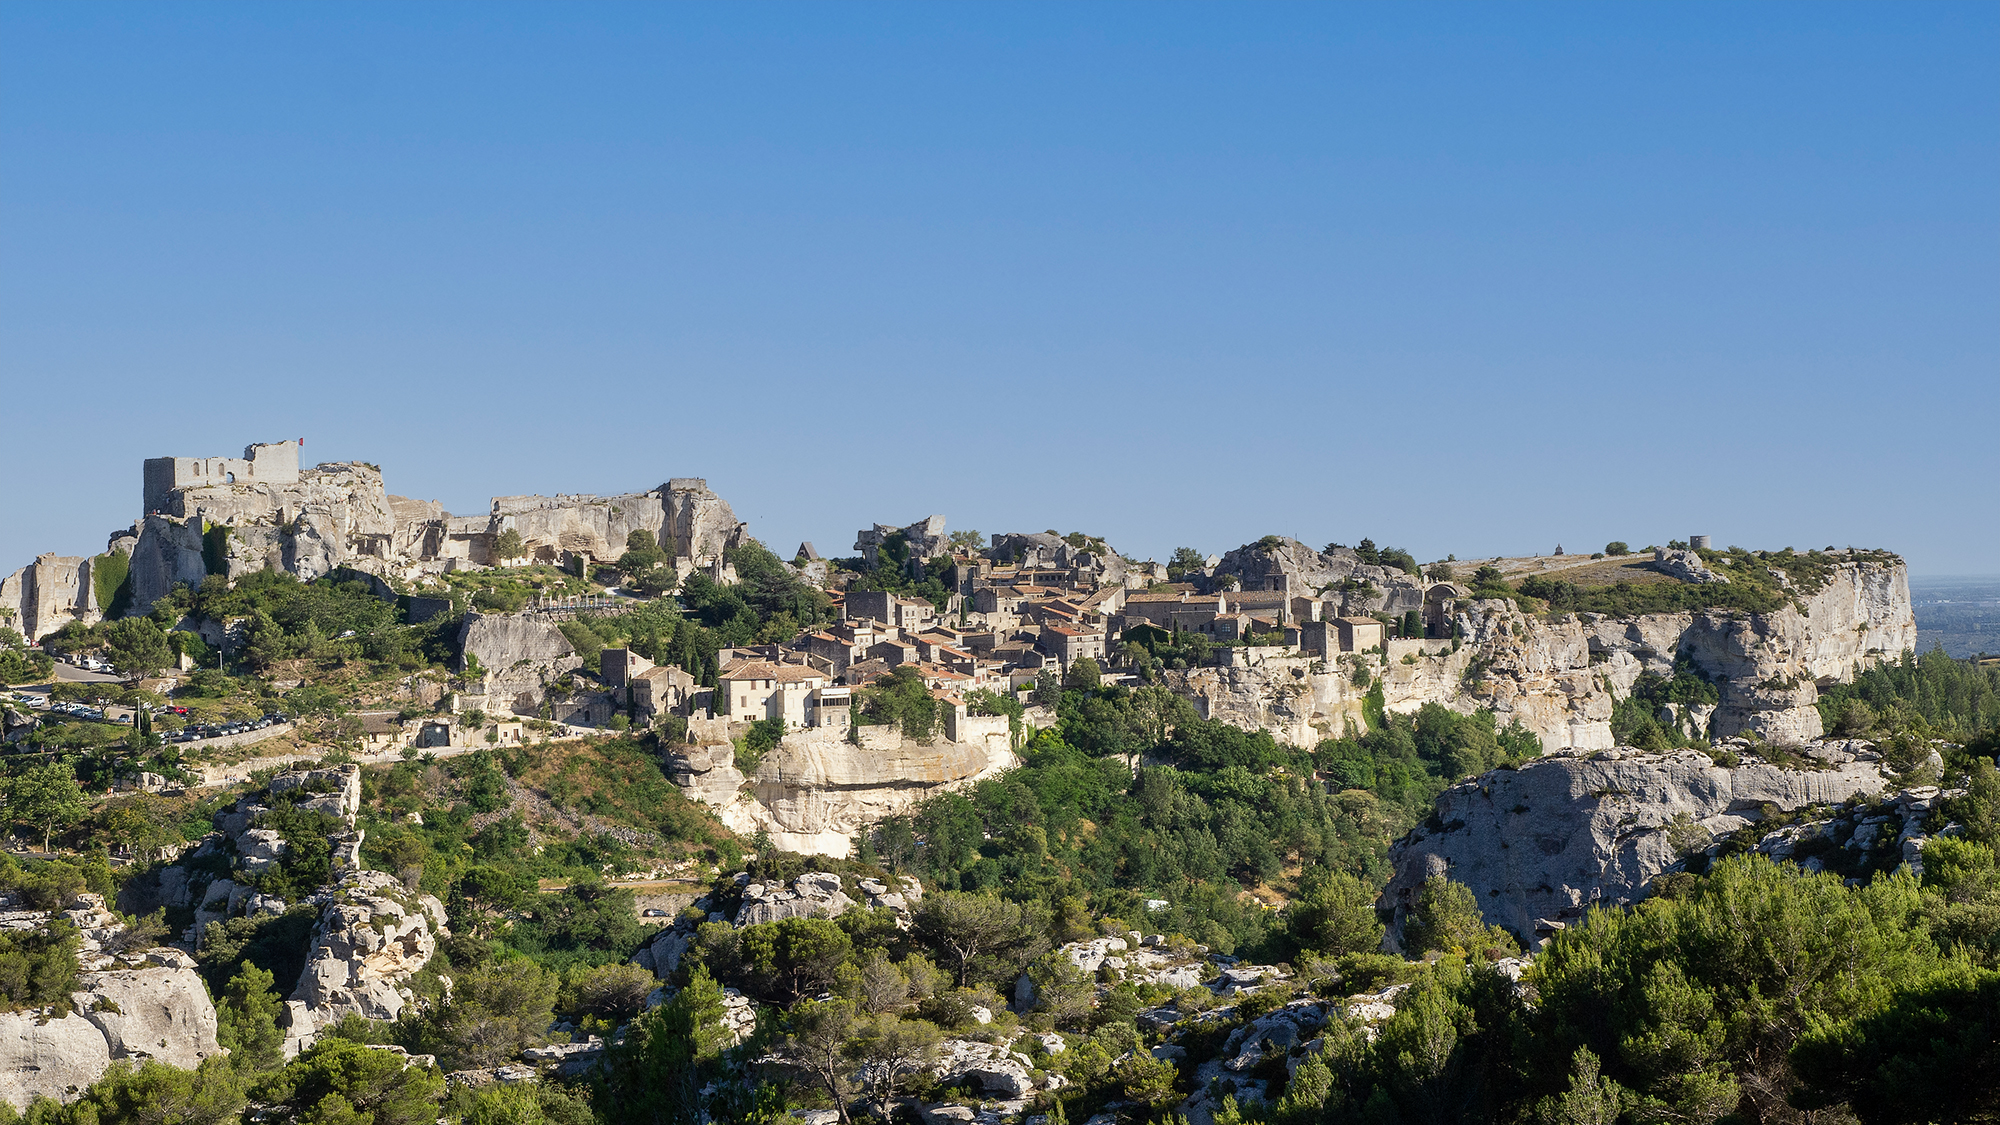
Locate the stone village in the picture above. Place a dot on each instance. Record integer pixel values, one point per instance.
(1297, 638)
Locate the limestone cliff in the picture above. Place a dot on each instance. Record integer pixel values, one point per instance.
(683, 518)
(47, 594)
(231, 518)
(332, 516)
(1281, 563)
(1559, 675)
(520, 655)
(1541, 844)
(816, 790)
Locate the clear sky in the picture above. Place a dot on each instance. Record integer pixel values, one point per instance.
(1477, 279)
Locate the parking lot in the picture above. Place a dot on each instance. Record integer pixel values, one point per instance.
(194, 732)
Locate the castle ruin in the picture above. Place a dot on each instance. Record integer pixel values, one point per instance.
(264, 463)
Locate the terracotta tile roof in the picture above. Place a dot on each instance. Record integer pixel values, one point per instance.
(1066, 631)
(766, 670)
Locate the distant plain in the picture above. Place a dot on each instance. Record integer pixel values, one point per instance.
(1960, 612)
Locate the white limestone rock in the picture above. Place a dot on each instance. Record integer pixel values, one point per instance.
(812, 894)
(160, 1012)
(49, 1057)
(1569, 830)
(372, 935)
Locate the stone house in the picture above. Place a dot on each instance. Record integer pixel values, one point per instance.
(381, 731)
(752, 690)
(936, 649)
(1337, 635)
(893, 652)
(911, 614)
(1068, 644)
(1359, 634)
(845, 644)
(651, 690)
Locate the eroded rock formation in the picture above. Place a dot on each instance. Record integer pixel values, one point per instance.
(1559, 675)
(129, 1004)
(1541, 844)
(235, 516)
(372, 935)
(520, 654)
(817, 790)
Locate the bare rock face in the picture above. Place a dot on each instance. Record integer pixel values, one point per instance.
(340, 784)
(814, 894)
(1560, 675)
(816, 790)
(49, 593)
(1290, 565)
(372, 935)
(706, 772)
(161, 1012)
(1543, 843)
(334, 515)
(49, 1057)
(132, 1004)
(521, 653)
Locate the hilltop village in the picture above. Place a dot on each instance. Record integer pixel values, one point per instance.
(600, 808)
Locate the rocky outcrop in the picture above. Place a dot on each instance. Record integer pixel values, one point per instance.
(1541, 844)
(1559, 675)
(128, 1004)
(1281, 563)
(819, 789)
(250, 850)
(814, 894)
(232, 517)
(334, 515)
(371, 937)
(520, 655)
(47, 594)
(924, 539)
(682, 517)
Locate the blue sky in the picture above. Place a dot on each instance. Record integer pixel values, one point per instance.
(1463, 279)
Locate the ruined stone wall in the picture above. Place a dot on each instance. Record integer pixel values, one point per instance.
(331, 516)
(272, 463)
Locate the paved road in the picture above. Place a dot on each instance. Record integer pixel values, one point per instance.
(238, 772)
(71, 674)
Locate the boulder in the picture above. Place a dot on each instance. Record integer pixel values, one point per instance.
(128, 1005)
(259, 849)
(43, 1056)
(160, 1012)
(520, 652)
(340, 784)
(1559, 834)
(815, 893)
